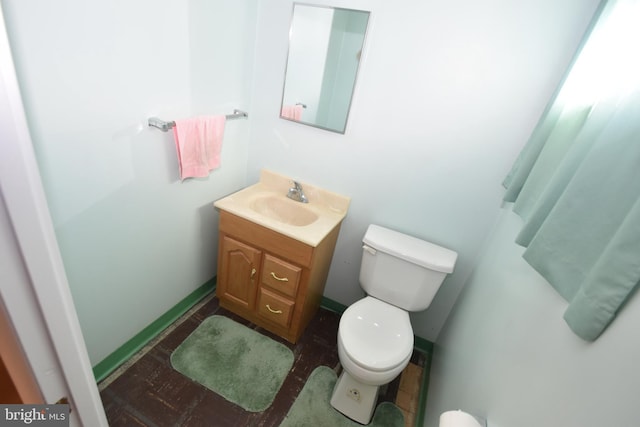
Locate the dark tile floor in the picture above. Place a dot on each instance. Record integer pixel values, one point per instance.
(148, 392)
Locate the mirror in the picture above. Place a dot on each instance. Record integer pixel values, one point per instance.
(325, 45)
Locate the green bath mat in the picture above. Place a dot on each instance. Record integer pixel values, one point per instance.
(312, 407)
(237, 363)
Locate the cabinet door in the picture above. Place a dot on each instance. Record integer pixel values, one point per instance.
(238, 275)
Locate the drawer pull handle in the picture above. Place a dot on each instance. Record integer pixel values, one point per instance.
(274, 311)
(281, 279)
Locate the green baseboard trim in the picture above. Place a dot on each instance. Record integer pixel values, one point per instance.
(423, 345)
(135, 344)
(332, 305)
(426, 347)
(424, 387)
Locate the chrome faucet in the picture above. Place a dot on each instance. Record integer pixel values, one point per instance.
(296, 193)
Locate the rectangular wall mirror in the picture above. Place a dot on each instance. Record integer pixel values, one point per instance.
(325, 45)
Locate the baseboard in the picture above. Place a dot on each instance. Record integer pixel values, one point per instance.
(332, 305)
(419, 343)
(135, 344)
(422, 344)
(424, 387)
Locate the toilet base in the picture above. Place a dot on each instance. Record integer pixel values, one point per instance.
(354, 399)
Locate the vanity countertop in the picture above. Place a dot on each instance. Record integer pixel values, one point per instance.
(265, 203)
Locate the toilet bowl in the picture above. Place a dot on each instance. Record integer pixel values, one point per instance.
(400, 273)
(367, 364)
(363, 327)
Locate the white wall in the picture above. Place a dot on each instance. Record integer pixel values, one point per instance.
(507, 354)
(448, 93)
(135, 240)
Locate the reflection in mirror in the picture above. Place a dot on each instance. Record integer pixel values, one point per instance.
(325, 45)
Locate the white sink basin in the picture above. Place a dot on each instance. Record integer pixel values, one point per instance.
(283, 210)
(266, 204)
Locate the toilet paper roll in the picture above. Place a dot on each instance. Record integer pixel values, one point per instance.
(458, 419)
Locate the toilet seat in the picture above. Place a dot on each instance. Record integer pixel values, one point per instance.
(370, 322)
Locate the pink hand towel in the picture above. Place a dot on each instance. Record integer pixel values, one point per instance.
(292, 112)
(198, 143)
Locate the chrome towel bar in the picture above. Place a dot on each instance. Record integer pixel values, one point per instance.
(165, 126)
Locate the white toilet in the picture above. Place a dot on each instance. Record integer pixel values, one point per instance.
(400, 274)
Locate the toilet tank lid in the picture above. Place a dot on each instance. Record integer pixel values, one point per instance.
(410, 248)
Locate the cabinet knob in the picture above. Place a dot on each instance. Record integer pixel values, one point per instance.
(281, 279)
(253, 272)
(273, 311)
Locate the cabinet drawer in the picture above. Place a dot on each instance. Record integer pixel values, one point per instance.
(280, 275)
(275, 308)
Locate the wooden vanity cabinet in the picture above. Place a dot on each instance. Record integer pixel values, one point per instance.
(271, 279)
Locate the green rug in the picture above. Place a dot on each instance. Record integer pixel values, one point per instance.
(312, 407)
(237, 363)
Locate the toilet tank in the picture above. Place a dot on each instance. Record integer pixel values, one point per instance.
(403, 270)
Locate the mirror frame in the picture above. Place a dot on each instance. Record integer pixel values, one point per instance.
(355, 77)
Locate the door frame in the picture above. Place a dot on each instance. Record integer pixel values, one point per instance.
(37, 299)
